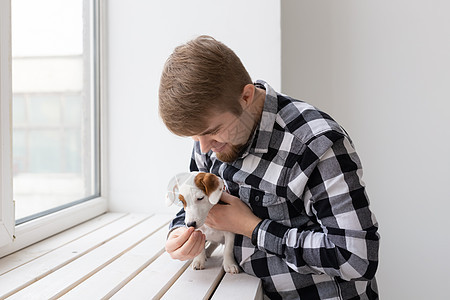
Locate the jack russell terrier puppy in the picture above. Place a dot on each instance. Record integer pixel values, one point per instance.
(198, 192)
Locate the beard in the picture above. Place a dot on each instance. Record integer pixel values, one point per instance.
(232, 154)
(235, 151)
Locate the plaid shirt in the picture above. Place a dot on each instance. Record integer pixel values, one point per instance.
(302, 176)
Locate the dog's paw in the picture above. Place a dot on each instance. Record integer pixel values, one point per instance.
(231, 268)
(198, 264)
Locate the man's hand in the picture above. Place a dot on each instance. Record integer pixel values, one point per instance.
(235, 217)
(185, 243)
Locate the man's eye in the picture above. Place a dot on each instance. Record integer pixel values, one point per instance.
(201, 198)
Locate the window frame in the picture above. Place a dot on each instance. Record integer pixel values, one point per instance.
(6, 202)
(14, 237)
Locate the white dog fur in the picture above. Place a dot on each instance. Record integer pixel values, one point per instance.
(198, 192)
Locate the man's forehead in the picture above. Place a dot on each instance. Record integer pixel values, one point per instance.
(217, 122)
(211, 130)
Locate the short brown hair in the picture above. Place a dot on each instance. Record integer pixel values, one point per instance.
(200, 77)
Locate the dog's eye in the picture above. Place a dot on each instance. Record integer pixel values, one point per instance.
(201, 198)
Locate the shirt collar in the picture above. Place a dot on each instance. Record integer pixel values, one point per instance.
(259, 143)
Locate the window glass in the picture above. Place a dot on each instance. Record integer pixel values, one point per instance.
(44, 110)
(55, 123)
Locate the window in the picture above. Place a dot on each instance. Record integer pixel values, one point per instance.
(55, 146)
(54, 91)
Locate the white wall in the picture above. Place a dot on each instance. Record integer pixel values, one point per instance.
(382, 69)
(143, 155)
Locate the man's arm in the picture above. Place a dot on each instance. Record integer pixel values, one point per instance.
(234, 217)
(347, 245)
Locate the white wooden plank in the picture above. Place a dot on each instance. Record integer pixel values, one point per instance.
(154, 280)
(198, 284)
(110, 279)
(23, 256)
(239, 286)
(46, 264)
(58, 283)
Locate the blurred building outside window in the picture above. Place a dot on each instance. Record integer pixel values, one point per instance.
(55, 153)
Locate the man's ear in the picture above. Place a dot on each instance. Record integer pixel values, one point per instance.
(247, 96)
(211, 185)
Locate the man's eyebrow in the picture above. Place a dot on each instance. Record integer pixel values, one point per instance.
(212, 130)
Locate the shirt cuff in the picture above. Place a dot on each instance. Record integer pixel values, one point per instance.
(270, 237)
(255, 234)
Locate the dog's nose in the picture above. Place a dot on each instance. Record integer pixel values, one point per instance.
(192, 224)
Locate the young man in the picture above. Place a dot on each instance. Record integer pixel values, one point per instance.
(296, 200)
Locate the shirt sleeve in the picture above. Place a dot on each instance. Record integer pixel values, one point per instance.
(178, 221)
(347, 242)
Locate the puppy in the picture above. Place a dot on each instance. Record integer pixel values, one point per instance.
(198, 192)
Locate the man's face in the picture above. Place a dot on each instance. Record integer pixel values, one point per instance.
(227, 135)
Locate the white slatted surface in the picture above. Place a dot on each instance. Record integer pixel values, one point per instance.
(117, 256)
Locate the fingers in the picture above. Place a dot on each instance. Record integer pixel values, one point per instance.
(198, 245)
(193, 247)
(227, 198)
(187, 245)
(178, 237)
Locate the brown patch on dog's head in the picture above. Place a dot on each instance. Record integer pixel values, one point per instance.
(182, 200)
(207, 182)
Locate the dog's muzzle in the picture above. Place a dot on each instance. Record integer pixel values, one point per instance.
(192, 224)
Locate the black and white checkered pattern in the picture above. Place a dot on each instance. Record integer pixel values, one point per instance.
(302, 176)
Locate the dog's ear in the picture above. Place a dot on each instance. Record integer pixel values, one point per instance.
(211, 185)
(173, 188)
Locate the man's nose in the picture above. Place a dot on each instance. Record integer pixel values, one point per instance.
(205, 143)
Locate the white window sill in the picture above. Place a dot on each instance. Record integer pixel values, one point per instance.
(120, 256)
(36, 230)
